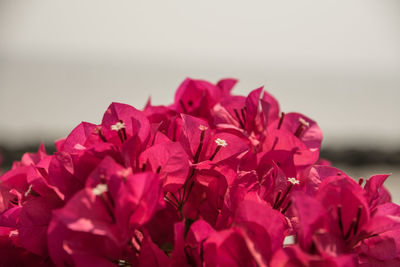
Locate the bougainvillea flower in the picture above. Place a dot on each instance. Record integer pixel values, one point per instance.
(196, 98)
(170, 161)
(338, 221)
(213, 179)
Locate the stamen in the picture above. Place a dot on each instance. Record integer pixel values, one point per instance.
(339, 214)
(285, 195)
(360, 181)
(277, 199)
(303, 125)
(238, 117)
(158, 169)
(98, 131)
(220, 143)
(137, 239)
(353, 222)
(281, 120)
(243, 115)
(170, 202)
(120, 128)
(304, 122)
(143, 167)
(203, 129)
(357, 219)
(28, 191)
(293, 181)
(287, 207)
(100, 189)
(123, 130)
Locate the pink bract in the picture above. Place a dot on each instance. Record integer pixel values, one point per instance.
(213, 179)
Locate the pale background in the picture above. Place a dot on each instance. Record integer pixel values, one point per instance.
(338, 62)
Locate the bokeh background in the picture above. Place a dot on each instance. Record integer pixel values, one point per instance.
(338, 62)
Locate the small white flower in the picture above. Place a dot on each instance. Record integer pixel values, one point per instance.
(203, 128)
(221, 142)
(293, 181)
(118, 126)
(304, 122)
(100, 189)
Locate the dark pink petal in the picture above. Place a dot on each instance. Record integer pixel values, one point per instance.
(227, 248)
(226, 85)
(311, 136)
(234, 146)
(88, 212)
(374, 188)
(178, 257)
(270, 108)
(294, 256)
(311, 217)
(151, 255)
(346, 193)
(319, 173)
(263, 226)
(136, 123)
(61, 174)
(385, 246)
(81, 137)
(161, 226)
(34, 218)
(196, 97)
(252, 108)
(192, 129)
(138, 199)
(285, 140)
(170, 161)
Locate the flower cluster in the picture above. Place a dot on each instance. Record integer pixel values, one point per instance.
(214, 179)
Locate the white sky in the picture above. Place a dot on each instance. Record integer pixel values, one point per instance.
(338, 62)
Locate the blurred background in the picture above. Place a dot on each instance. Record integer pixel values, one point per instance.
(338, 62)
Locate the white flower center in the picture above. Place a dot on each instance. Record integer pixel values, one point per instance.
(118, 126)
(304, 122)
(203, 128)
(293, 181)
(100, 189)
(221, 142)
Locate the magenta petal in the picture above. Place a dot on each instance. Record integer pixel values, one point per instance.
(311, 216)
(234, 146)
(191, 133)
(385, 246)
(252, 107)
(170, 161)
(135, 121)
(227, 248)
(264, 226)
(151, 255)
(79, 138)
(34, 218)
(226, 85)
(373, 187)
(138, 199)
